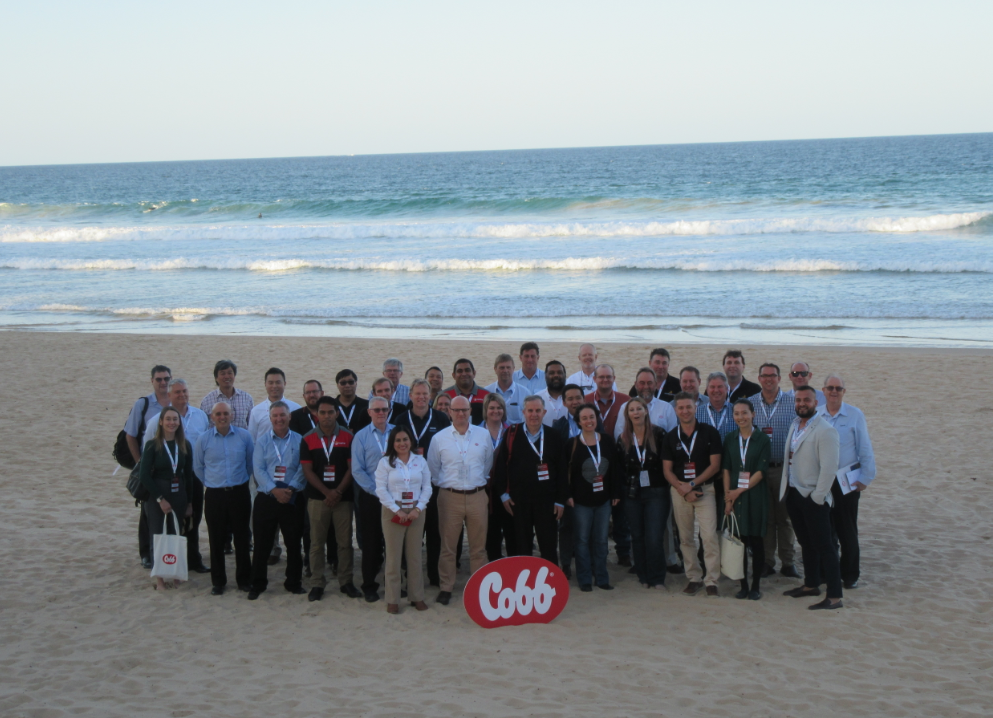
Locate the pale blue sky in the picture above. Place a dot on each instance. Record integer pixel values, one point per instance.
(137, 81)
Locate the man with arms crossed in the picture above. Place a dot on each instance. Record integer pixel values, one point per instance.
(691, 458)
(460, 458)
(811, 456)
(857, 464)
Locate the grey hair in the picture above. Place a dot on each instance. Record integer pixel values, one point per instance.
(174, 382)
(587, 344)
(222, 401)
(374, 399)
(534, 397)
(834, 376)
(717, 375)
(393, 361)
(279, 405)
(800, 361)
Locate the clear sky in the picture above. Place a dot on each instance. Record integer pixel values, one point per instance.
(114, 81)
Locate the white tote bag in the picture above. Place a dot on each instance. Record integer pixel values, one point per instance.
(732, 550)
(169, 552)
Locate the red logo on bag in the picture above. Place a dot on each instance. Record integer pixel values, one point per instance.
(514, 591)
(169, 558)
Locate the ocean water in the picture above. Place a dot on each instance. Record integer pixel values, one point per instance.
(879, 241)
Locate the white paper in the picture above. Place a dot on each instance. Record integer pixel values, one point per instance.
(848, 476)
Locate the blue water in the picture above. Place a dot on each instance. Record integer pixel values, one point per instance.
(859, 241)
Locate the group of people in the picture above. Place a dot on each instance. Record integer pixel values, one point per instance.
(536, 456)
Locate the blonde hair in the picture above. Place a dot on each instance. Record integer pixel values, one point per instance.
(627, 436)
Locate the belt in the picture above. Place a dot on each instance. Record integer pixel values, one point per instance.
(775, 464)
(468, 491)
(228, 488)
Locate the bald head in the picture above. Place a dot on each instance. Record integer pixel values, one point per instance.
(460, 413)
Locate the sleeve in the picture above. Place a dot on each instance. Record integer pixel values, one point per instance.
(619, 424)
(863, 447)
(305, 457)
(260, 471)
(146, 469)
(716, 446)
(364, 475)
(382, 485)
(150, 428)
(133, 424)
(434, 461)
(668, 417)
(827, 455)
(253, 423)
(426, 488)
(665, 450)
(487, 455)
(764, 456)
(249, 452)
(199, 465)
(205, 405)
(727, 457)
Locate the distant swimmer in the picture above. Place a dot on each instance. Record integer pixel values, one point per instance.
(260, 215)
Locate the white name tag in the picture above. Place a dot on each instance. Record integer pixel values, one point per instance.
(597, 484)
(542, 472)
(689, 471)
(329, 474)
(644, 480)
(743, 479)
(279, 474)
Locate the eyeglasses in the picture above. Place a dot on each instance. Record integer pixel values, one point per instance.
(459, 411)
(834, 388)
(162, 378)
(346, 382)
(799, 373)
(378, 411)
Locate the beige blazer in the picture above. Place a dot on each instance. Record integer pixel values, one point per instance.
(815, 460)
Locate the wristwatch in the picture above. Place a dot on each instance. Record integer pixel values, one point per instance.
(692, 484)
(160, 499)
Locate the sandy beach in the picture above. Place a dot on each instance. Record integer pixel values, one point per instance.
(84, 634)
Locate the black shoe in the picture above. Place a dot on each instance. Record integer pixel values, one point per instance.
(298, 591)
(371, 596)
(228, 550)
(146, 563)
(244, 587)
(315, 594)
(754, 595)
(349, 590)
(768, 571)
(623, 560)
(674, 568)
(742, 594)
(217, 591)
(802, 592)
(586, 588)
(633, 569)
(605, 586)
(253, 594)
(201, 569)
(444, 597)
(852, 584)
(567, 572)
(826, 605)
(790, 571)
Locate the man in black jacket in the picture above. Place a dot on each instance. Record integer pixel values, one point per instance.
(529, 476)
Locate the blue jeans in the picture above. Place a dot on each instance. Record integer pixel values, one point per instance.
(591, 525)
(647, 516)
(622, 532)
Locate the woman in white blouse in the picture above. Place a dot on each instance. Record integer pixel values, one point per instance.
(403, 485)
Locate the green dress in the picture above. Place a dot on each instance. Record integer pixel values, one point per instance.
(752, 507)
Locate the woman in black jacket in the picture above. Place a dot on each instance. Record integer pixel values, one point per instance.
(594, 487)
(167, 472)
(646, 492)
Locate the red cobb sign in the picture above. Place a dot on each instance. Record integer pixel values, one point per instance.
(514, 591)
(169, 558)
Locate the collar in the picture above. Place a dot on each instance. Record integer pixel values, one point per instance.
(613, 397)
(779, 396)
(217, 433)
(533, 437)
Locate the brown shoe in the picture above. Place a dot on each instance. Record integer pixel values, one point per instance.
(712, 592)
(419, 605)
(693, 588)
(392, 608)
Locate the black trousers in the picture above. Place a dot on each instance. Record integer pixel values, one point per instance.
(228, 513)
(844, 518)
(270, 516)
(621, 532)
(144, 542)
(757, 545)
(499, 529)
(566, 538)
(370, 526)
(812, 526)
(536, 520)
(193, 557)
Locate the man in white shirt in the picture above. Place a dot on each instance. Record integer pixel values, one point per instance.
(552, 393)
(660, 413)
(460, 458)
(275, 385)
(513, 393)
(529, 375)
(587, 362)
(801, 375)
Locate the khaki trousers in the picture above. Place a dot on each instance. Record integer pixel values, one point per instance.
(321, 518)
(402, 540)
(704, 511)
(779, 529)
(454, 510)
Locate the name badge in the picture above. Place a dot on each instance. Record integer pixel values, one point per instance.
(767, 430)
(419, 451)
(643, 479)
(689, 471)
(597, 484)
(279, 474)
(328, 474)
(744, 477)
(406, 500)
(542, 472)
(175, 483)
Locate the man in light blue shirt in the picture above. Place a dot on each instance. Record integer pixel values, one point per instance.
(277, 471)
(858, 465)
(513, 393)
(368, 447)
(222, 459)
(393, 370)
(529, 375)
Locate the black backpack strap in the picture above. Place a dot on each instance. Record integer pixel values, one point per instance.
(141, 427)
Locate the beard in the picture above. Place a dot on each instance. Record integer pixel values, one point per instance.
(806, 413)
(555, 384)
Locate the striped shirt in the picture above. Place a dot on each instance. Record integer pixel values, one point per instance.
(779, 415)
(241, 406)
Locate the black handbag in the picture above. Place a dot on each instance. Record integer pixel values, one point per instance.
(122, 452)
(135, 487)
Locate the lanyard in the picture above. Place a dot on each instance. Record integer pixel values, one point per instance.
(417, 437)
(348, 417)
(311, 419)
(641, 453)
(743, 449)
(597, 458)
(765, 409)
(720, 415)
(496, 441)
(172, 460)
(382, 444)
(286, 442)
(328, 449)
(613, 399)
(689, 451)
(541, 438)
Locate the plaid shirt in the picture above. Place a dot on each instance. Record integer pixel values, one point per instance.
(241, 405)
(705, 414)
(779, 415)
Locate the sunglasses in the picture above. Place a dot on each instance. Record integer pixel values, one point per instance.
(834, 388)
(346, 382)
(379, 411)
(799, 373)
